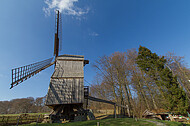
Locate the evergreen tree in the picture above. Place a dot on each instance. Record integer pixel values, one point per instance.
(154, 66)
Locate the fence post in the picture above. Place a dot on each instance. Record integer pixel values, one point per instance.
(37, 119)
(98, 123)
(3, 119)
(18, 121)
(7, 120)
(115, 116)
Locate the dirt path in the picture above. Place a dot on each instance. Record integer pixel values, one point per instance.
(157, 123)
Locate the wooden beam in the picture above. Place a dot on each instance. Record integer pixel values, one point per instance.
(104, 101)
(100, 100)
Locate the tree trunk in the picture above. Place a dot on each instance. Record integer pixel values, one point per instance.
(150, 92)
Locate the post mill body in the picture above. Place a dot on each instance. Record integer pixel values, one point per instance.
(66, 90)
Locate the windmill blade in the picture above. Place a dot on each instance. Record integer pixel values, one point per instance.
(56, 41)
(23, 73)
(60, 32)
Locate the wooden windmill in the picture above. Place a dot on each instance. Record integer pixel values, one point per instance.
(67, 93)
(66, 90)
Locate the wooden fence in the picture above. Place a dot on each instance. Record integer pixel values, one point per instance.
(21, 119)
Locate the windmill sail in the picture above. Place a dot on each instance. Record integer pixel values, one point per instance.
(23, 73)
(58, 34)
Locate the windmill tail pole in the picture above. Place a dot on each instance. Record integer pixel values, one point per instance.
(108, 102)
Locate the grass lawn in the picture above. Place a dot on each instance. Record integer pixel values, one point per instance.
(103, 122)
(106, 121)
(112, 122)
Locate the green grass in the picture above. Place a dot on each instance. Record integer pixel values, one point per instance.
(103, 122)
(113, 122)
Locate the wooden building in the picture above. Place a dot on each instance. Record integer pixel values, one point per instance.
(67, 81)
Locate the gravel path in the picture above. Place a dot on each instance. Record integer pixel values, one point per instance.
(157, 123)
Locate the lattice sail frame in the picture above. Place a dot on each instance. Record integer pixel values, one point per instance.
(58, 34)
(23, 73)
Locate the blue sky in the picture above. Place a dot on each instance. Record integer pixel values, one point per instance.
(92, 28)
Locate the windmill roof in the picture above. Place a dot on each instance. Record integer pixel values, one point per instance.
(74, 56)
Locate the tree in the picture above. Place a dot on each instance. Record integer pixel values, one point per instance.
(179, 69)
(23, 105)
(154, 66)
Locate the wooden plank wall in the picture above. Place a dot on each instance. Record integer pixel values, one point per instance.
(67, 82)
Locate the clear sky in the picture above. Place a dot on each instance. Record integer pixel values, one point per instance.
(92, 28)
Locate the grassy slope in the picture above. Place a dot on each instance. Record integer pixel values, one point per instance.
(105, 122)
(112, 122)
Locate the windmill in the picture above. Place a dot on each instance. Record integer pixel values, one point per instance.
(66, 89)
(66, 93)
